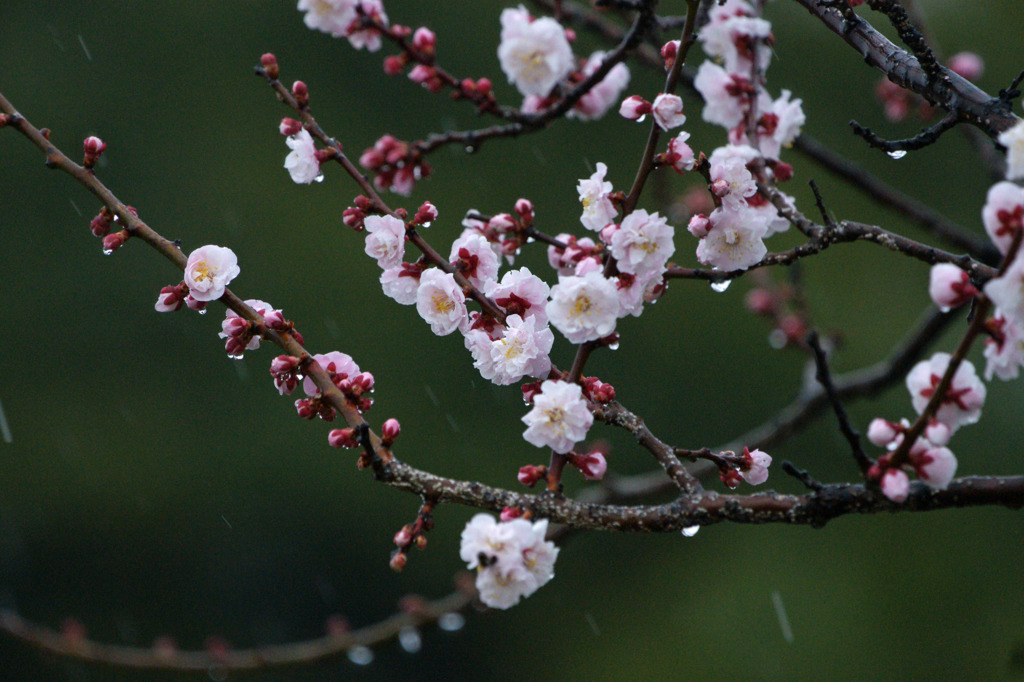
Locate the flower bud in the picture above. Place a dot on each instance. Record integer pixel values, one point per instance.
(404, 536)
(593, 465)
(509, 513)
(699, 226)
(424, 40)
(394, 64)
(634, 108)
(269, 62)
(882, 432)
(289, 126)
(100, 225)
(301, 93)
(524, 209)
(93, 146)
(195, 304)
(398, 561)
(390, 431)
(425, 214)
(668, 53)
(530, 474)
(949, 286)
(112, 242)
(307, 408)
(169, 300)
(895, 485)
(343, 438)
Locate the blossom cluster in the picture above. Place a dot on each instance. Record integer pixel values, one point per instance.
(512, 559)
(759, 127)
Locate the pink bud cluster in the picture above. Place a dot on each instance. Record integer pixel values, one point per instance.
(397, 164)
(929, 458)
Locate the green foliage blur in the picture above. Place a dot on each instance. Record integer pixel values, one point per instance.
(151, 486)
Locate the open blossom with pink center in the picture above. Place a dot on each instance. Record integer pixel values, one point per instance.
(329, 16)
(964, 399)
(301, 162)
(1013, 140)
(385, 240)
(334, 362)
(668, 111)
(402, 282)
(634, 291)
(559, 418)
(1004, 350)
(521, 350)
(209, 270)
(1007, 291)
(726, 96)
(230, 325)
(605, 94)
(473, 254)
(755, 466)
(735, 240)
(440, 301)
(584, 308)
(780, 125)
(512, 558)
(895, 485)
(565, 260)
(738, 41)
(643, 244)
(535, 55)
(1003, 213)
(521, 292)
(936, 467)
(949, 286)
(598, 209)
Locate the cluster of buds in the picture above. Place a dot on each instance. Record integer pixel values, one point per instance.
(101, 225)
(238, 334)
(412, 535)
(928, 457)
(285, 370)
(354, 215)
(398, 165)
(510, 231)
(311, 408)
(565, 259)
(355, 389)
(598, 391)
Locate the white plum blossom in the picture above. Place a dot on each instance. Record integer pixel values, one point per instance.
(780, 125)
(594, 191)
(735, 240)
(723, 93)
(385, 240)
(736, 40)
(732, 182)
(635, 291)
(535, 55)
(512, 558)
(1004, 355)
(667, 110)
(559, 418)
(477, 254)
(367, 37)
(603, 96)
(521, 292)
(1007, 291)
(301, 162)
(1003, 213)
(964, 399)
(329, 16)
(643, 244)
(337, 362)
(584, 308)
(209, 270)
(401, 283)
(679, 154)
(440, 302)
(521, 350)
(1013, 140)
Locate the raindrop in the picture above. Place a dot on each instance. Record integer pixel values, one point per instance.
(361, 655)
(944, 309)
(897, 153)
(202, 311)
(470, 149)
(642, 119)
(720, 287)
(451, 622)
(690, 531)
(107, 252)
(425, 225)
(319, 178)
(777, 339)
(613, 346)
(409, 639)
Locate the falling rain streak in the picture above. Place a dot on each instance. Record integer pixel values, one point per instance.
(780, 611)
(5, 428)
(84, 48)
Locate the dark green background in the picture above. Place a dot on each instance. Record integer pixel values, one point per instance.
(155, 487)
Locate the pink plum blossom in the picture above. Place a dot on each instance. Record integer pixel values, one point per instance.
(1004, 351)
(643, 244)
(964, 399)
(755, 466)
(522, 350)
(1003, 213)
(895, 485)
(679, 154)
(735, 240)
(301, 162)
(440, 302)
(476, 258)
(209, 270)
(535, 55)
(949, 286)
(385, 240)
(559, 418)
(726, 95)
(402, 282)
(634, 108)
(584, 308)
(521, 292)
(367, 37)
(936, 467)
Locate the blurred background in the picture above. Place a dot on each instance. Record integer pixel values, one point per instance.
(150, 486)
